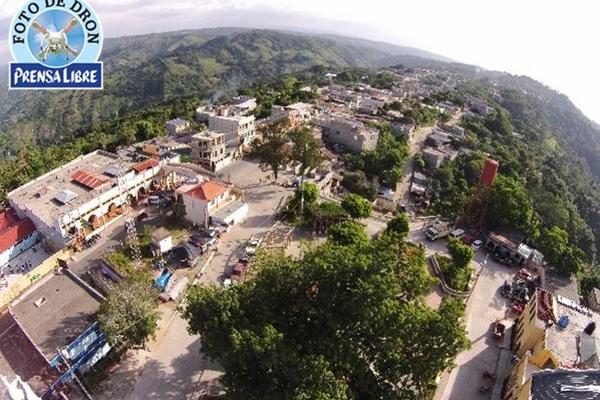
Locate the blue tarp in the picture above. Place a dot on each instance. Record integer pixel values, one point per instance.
(163, 280)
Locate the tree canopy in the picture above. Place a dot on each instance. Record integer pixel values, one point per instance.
(273, 150)
(348, 233)
(510, 205)
(400, 225)
(357, 207)
(343, 322)
(129, 316)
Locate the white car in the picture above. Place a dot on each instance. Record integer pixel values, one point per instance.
(476, 245)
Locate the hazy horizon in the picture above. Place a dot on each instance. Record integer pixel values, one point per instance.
(547, 41)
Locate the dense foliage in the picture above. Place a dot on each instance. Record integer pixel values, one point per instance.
(344, 322)
(357, 207)
(129, 316)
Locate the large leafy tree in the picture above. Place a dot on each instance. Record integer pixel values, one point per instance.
(462, 254)
(129, 316)
(400, 225)
(510, 205)
(357, 206)
(554, 244)
(343, 322)
(306, 149)
(348, 233)
(273, 150)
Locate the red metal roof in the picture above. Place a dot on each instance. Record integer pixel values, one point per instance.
(88, 179)
(208, 191)
(13, 230)
(145, 165)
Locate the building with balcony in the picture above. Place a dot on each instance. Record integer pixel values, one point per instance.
(84, 195)
(210, 150)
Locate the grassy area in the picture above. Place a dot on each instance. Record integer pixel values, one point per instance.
(457, 279)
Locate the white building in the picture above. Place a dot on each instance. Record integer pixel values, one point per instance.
(162, 240)
(212, 203)
(16, 235)
(243, 105)
(83, 196)
(235, 127)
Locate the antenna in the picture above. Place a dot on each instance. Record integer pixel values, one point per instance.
(132, 234)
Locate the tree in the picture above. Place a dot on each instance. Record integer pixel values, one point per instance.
(129, 315)
(400, 224)
(554, 244)
(340, 323)
(510, 205)
(357, 182)
(306, 149)
(357, 207)
(305, 194)
(273, 150)
(462, 254)
(348, 233)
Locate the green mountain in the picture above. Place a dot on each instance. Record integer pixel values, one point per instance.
(149, 69)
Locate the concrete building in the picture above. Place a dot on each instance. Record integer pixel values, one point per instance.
(162, 240)
(16, 235)
(354, 135)
(297, 113)
(82, 196)
(177, 126)
(243, 105)
(404, 130)
(552, 332)
(210, 150)
(237, 128)
(433, 157)
(212, 203)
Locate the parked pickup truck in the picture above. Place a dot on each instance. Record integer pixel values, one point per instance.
(438, 230)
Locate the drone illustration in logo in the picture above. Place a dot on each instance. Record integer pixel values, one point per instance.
(55, 43)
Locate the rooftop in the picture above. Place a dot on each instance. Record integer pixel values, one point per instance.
(208, 134)
(13, 230)
(564, 321)
(208, 190)
(55, 313)
(565, 385)
(160, 234)
(178, 122)
(70, 183)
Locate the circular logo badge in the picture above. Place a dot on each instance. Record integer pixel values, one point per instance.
(56, 33)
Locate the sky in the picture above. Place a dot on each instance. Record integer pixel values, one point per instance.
(551, 41)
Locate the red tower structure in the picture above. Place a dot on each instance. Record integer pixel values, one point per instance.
(476, 211)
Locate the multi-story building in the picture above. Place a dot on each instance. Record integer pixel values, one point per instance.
(212, 203)
(210, 150)
(83, 195)
(237, 128)
(297, 113)
(354, 135)
(552, 332)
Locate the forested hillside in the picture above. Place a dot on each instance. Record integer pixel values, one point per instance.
(146, 70)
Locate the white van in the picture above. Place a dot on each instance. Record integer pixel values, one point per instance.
(457, 233)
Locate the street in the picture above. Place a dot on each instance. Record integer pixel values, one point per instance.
(175, 367)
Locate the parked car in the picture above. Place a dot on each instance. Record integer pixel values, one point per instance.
(457, 233)
(252, 246)
(467, 239)
(476, 245)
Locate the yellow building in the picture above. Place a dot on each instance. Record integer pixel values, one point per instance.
(553, 332)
